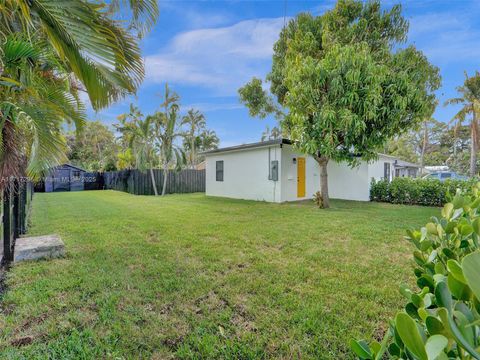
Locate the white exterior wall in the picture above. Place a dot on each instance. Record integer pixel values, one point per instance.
(245, 174)
(376, 168)
(288, 175)
(354, 183)
(345, 182)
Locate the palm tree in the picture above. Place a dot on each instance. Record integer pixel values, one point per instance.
(265, 134)
(195, 120)
(470, 101)
(139, 135)
(100, 51)
(36, 97)
(208, 140)
(272, 134)
(127, 124)
(275, 133)
(74, 44)
(167, 130)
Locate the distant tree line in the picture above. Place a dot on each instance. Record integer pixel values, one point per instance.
(453, 143)
(164, 139)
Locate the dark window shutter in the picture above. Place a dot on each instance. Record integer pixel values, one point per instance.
(386, 171)
(219, 170)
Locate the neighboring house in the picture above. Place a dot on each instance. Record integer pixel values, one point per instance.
(404, 168)
(273, 171)
(65, 177)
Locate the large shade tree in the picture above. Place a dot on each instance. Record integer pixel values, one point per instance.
(51, 50)
(423, 145)
(345, 83)
(94, 148)
(469, 100)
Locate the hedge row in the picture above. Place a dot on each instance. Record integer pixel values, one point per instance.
(429, 192)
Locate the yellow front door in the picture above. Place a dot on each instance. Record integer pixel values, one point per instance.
(300, 177)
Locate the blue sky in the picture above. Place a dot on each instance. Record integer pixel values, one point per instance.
(206, 50)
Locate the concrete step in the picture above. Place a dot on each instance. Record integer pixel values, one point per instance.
(39, 247)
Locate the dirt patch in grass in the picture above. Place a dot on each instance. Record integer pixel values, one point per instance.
(211, 301)
(26, 340)
(34, 320)
(242, 320)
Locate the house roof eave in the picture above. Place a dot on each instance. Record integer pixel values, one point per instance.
(248, 146)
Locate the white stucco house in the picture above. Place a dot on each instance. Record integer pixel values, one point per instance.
(273, 171)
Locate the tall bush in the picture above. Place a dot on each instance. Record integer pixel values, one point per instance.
(428, 192)
(442, 317)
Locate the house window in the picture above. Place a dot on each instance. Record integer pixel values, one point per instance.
(75, 175)
(386, 171)
(219, 170)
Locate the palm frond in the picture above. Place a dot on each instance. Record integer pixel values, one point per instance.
(454, 101)
(101, 53)
(144, 13)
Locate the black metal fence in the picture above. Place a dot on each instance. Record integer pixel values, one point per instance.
(15, 209)
(140, 182)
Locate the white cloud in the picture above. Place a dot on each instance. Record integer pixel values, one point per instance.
(323, 7)
(447, 37)
(191, 17)
(221, 59)
(433, 22)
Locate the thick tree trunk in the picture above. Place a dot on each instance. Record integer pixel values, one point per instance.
(12, 162)
(154, 183)
(323, 162)
(165, 175)
(474, 146)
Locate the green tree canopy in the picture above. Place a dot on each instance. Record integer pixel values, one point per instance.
(93, 148)
(346, 84)
(429, 138)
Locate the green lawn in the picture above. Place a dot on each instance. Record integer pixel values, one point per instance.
(188, 276)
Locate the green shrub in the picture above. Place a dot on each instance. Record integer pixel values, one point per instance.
(379, 191)
(428, 192)
(442, 318)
